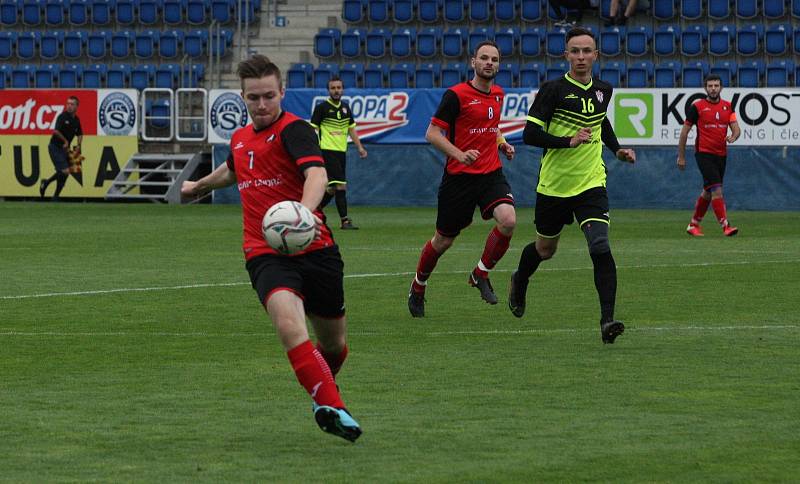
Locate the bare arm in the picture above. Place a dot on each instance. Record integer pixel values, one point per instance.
(314, 186)
(80, 142)
(735, 132)
(506, 148)
(354, 136)
(682, 146)
(221, 177)
(436, 137)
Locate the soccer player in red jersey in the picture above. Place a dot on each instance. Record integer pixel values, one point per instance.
(278, 158)
(466, 128)
(713, 116)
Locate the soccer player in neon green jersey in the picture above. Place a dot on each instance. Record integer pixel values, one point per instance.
(568, 119)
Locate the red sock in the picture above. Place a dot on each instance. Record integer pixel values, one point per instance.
(718, 204)
(427, 262)
(314, 374)
(334, 360)
(700, 209)
(496, 246)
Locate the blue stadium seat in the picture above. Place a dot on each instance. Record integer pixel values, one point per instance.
(505, 10)
(97, 44)
(748, 39)
(353, 11)
(666, 74)
(158, 112)
(101, 12)
(220, 43)
(27, 45)
(453, 41)
(247, 10)
(556, 70)
(693, 40)
(611, 41)
(613, 73)
(507, 39)
(94, 76)
(556, 42)
(117, 76)
(531, 74)
(69, 76)
(169, 43)
(403, 11)
(377, 40)
(746, 9)
(665, 40)
(403, 41)
(222, 11)
(32, 12)
(145, 44)
(299, 75)
(531, 10)
(22, 76)
(79, 12)
(777, 38)
(749, 73)
(378, 11)
(726, 70)
(8, 44)
(9, 13)
(796, 42)
(196, 12)
(507, 74)
(637, 40)
(796, 14)
(5, 75)
(774, 9)
(453, 73)
(720, 39)
(46, 76)
(195, 43)
(693, 73)
(719, 9)
(454, 10)
(778, 73)
(125, 12)
(149, 11)
(351, 74)
(323, 73)
(167, 76)
(530, 42)
(121, 45)
(193, 74)
(375, 75)
(429, 40)
(428, 75)
(429, 11)
(401, 76)
(172, 12)
(640, 74)
(55, 12)
(476, 36)
(51, 43)
(353, 42)
(664, 9)
(326, 43)
(691, 9)
(142, 76)
(479, 10)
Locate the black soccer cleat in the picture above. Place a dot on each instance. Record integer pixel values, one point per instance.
(416, 303)
(347, 224)
(42, 188)
(517, 291)
(610, 330)
(484, 286)
(337, 421)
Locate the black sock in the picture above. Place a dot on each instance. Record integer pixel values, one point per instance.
(341, 203)
(605, 280)
(528, 262)
(61, 181)
(326, 199)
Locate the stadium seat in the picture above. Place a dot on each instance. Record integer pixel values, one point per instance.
(531, 10)
(796, 41)
(299, 75)
(453, 42)
(377, 39)
(531, 74)
(79, 12)
(378, 11)
(747, 9)
(5, 75)
(22, 76)
(46, 76)
(69, 76)
(428, 75)
(169, 43)
(172, 12)
(429, 11)
(479, 10)
(97, 44)
(454, 10)
(101, 12)
(476, 36)
(454, 73)
(403, 41)
(726, 70)
(777, 38)
(375, 75)
(664, 9)
(222, 11)
(507, 39)
(353, 42)
(666, 74)
(118, 76)
(323, 73)
(556, 70)
(125, 12)
(195, 43)
(326, 43)
(196, 12)
(51, 43)
(195, 73)
(158, 113)
(719, 9)
(148, 12)
(774, 9)
(505, 10)
(142, 76)
(145, 44)
(796, 12)
(748, 39)
(428, 41)
(55, 12)
(401, 76)
(778, 73)
(556, 43)
(691, 9)
(507, 74)
(611, 41)
(749, 73)
(637, 40)
(530, 42)
(247, 10)
(94, 76)
(403, 11)
(720, 39)
(353, 11)
(220, 43)
(351, 74)
(8, 44)
(693, 73)
(167, 76)
(27, 45)
(9, 13)
(613, 73)
(120, 45)
(32, 12)
(639, 74)
(665, 40)
(693, 40)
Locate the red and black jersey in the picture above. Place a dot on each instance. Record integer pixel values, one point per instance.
(269, 165)
(472, 121)
(712, 120)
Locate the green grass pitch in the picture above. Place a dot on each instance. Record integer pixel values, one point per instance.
(134, 349)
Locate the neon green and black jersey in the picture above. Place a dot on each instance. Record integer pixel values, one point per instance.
(562, 107)
(333, 120)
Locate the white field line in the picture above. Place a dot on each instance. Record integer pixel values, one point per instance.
(383, 274)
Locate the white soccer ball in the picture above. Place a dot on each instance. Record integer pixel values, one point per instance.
(288, 227)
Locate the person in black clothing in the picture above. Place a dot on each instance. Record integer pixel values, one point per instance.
(68, 126)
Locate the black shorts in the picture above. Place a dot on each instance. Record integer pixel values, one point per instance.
(59, 156)
(553, 213)
(459, 194)
(335, 165)
(712, 167)
(317, 277)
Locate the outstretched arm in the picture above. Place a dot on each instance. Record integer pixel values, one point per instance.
(221, 177)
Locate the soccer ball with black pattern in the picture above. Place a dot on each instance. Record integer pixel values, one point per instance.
(289, 227)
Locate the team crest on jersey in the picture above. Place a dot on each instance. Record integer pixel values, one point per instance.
(271, 137)
(599, 95)
(497, 99)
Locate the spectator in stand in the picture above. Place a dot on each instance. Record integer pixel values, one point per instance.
(620, 12)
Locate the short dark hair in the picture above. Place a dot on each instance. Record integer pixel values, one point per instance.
(484, 43)
(334, 78)
(77, 101)
(578, 31)
(256, 67)
(712, 77)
